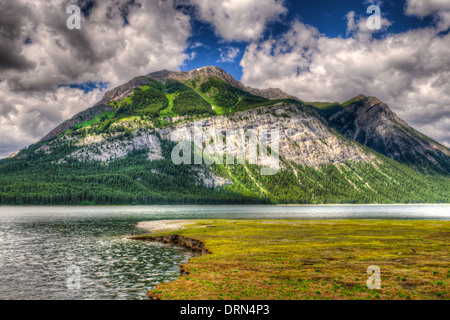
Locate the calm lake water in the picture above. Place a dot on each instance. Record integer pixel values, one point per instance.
(39, 244)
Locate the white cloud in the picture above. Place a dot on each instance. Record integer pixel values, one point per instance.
(41, 53)
(351, 24)
(410, 71)
(26, 117)
(423, 8)
(357, 26)
(104, 49)
(197, 44)
(239, 20)
(228, 54)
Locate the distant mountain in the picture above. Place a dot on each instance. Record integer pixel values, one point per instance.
(372, 123)
(119, 151)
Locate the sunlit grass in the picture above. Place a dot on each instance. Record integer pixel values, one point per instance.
(315, 260)
(168, 112)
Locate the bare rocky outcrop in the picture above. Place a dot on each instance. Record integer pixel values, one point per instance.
(119, 147)
(304, 138)
(12, 155)
(189, 243)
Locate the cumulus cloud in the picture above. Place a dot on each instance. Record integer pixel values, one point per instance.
(357, 26)
(228, 54)
(28, 116)
(423, 8)
(118, 40)
(197, 44)
(105, 47)
(440, 9)
(10, 50)
(351, 24)
(410, 71)
(239, 20)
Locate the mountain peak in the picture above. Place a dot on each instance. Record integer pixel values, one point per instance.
(371, 122)
(359, 97)
(209, 69)
(163, 75)
(204, 73)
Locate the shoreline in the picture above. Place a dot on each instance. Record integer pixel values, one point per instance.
(221, 205)
(161, 226)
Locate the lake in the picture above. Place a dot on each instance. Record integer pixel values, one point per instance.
(39, 244)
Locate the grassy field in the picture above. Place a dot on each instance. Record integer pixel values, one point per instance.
(277, 259)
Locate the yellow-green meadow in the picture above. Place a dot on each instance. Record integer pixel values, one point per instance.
(287, 259)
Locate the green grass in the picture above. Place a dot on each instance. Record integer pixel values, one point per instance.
(220, 93)
(96, 119)
(227, 99)
(217, 108)
(282, 259)
(323, 105)
(119, 104)
(168, 112)
(349, 102)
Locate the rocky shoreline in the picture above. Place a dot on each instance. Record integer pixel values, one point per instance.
(166, 225)
(189, 243)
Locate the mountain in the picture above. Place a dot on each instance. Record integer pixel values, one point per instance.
(198, 76)
(372, 123)
(119, 151)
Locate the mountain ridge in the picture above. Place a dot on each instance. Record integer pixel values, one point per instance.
(269, 93)
(371, 122)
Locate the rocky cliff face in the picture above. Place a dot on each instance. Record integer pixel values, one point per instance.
(304, 138)
(372, 123)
